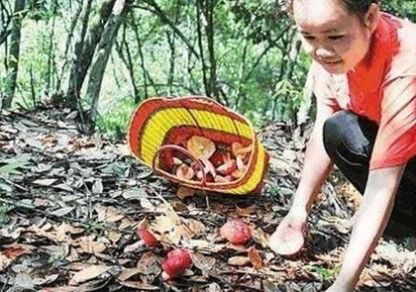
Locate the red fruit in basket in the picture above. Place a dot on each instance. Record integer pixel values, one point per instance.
(235, 231)
(223, 179)
(237, 174)
(208, 177)
(239, 149)
(218, 158)
(240, 163)
(208, 167)
(176, 263)
(185, 172)
(169, 159)
(166, 158)
(200, 147)
(147, 237)
(228, 167)
(209, 170)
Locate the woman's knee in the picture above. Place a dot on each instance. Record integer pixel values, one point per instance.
(343, 135)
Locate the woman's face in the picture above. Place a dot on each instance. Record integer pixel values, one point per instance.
(335, 38)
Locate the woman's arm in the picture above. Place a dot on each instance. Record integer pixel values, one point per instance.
(317, 164)
(372, 218)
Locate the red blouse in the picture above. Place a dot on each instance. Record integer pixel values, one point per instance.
(382, 88)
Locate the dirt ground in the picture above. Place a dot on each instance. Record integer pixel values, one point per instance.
(70, 204)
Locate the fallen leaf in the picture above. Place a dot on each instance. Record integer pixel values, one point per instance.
(97, 187)
(184, 192)
(192, 228)
(15, 249)
(140, 286)
(23, 282)
(11, 252)
(126, 223)
(62, 211)
(114, 236)
(12, 233)
(88, 244)
(239, 261)
(214, 287)
(204, 263)
(255, 258)
(45, 182)
(108, 214)
(128, 273)
(49, 279)
(145, 203)
(245, 212)
(378, 274)
(169, 226)
(88, 274)
(4, 262)
(149, 263)
(64, 187)
(260, 237)
(133, 247)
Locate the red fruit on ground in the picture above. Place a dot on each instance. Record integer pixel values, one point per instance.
(176, 263)
(147, 237)
(235, 231)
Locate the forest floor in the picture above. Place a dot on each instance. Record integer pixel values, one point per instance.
(70, 204)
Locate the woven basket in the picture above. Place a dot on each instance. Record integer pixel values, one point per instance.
(159, 124)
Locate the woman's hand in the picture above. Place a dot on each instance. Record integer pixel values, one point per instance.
(288, 239)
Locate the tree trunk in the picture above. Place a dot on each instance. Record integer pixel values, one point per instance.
(75, 82)
(101, 57)
(67, 45)
(209, 14)
(146, 75)
(83, 60)
(128, 62)
(50, 76)
(13, 54)
(5, 20)
(171, 74)
(199, 13)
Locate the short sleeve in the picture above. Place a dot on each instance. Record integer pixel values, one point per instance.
(323, 88)
(396, 138)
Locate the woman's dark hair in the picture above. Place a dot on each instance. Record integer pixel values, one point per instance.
(357, 7)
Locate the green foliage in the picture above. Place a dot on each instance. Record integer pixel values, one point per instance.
(326, 274)
(287, 99)
(400, 8)
(13, 165)
(4, 209)
(114, 121)
(259, 72)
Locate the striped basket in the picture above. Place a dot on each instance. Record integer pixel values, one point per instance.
(158, 124)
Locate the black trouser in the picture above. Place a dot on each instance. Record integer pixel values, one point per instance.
(349, 141)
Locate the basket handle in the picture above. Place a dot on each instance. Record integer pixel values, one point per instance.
(202, 97)
(184, 151)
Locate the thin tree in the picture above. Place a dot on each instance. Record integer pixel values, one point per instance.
(83, 59)
(101, 55)
(13, 54)
(75, 82)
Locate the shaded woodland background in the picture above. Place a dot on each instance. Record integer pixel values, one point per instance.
(103, 57)
(71, 195)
